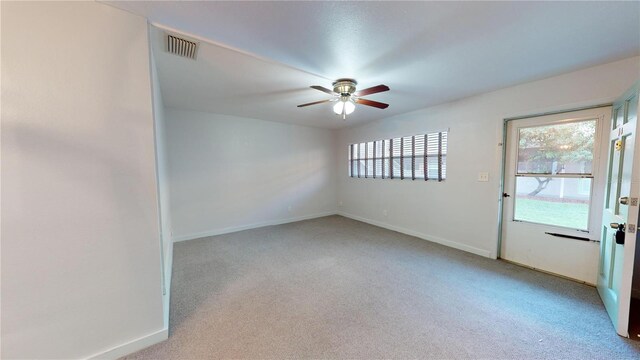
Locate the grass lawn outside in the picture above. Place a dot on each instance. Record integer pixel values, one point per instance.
(571, 215)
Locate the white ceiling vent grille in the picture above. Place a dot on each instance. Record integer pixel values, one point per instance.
(182, 47)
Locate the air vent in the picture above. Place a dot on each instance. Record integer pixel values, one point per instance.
(182, 47)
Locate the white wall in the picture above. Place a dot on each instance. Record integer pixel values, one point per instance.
(164, 202)
(230, 173)
(462, 212)
(80, 241)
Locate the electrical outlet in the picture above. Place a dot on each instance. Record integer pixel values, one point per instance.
(483, 176)
(289, 208)
(384, 212)
(339, 203)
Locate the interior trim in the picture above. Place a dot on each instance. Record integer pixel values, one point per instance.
(133, 346)
(558, 112)
(248, 227)
(434, 239)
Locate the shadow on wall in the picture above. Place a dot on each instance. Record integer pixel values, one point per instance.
(76, 167)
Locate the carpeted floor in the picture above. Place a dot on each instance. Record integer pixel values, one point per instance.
(337, 288)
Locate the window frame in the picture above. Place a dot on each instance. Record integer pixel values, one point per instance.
(590, 175)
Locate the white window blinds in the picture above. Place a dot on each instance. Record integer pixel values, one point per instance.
(422, 156)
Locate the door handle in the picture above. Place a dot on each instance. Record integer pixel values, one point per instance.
(624, 200)
(619, 235)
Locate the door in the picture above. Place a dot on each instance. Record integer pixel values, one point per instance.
(552, 206)
(620, 213)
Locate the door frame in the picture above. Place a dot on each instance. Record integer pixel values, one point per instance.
(503, 164)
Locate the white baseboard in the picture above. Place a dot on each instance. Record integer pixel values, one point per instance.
(166, 299)
(248, 227)
(435, 239)
(153, 338)
(133, 346)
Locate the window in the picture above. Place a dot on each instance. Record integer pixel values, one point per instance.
(413, 157)
(554, 174)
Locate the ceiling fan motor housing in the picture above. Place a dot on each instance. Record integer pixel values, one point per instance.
(345, 87)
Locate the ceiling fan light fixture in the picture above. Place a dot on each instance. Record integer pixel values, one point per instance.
(349, 106)
(337, 108)
(344, 105)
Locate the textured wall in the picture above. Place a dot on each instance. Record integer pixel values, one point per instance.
(229, 173)
(80, 240)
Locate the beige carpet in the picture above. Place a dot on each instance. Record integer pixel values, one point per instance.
(338, 288)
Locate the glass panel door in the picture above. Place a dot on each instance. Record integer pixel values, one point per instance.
(555, 166)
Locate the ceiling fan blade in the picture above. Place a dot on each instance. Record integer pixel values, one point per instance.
(315, 102)
(372, 90)
(379, 105)
(324, 89)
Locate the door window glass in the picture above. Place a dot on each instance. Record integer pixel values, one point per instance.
(554, 149)
(618, 116)
(555, 173)
(632, 109)
(553, 201)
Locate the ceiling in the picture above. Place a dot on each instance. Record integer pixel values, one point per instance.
(263, 56)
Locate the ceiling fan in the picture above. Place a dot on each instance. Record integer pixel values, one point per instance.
(344, 92)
